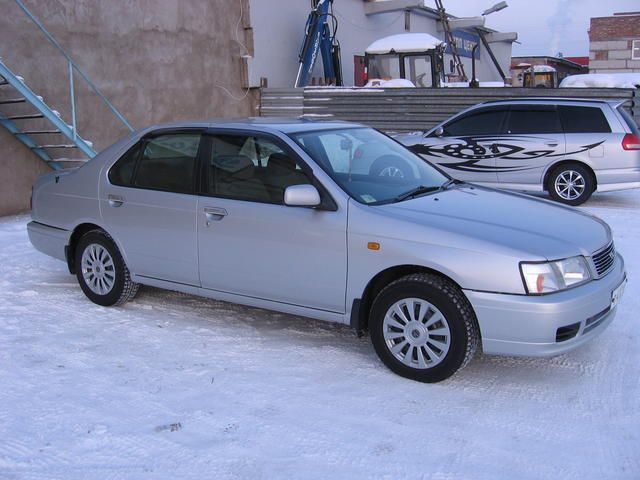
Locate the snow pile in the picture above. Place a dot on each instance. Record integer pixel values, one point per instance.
(404, 42)
(392, 83)
(602, 80)
(175, 386)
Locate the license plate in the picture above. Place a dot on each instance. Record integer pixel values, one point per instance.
(616, 295)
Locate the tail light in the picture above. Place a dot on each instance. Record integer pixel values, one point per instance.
(365, 75)
(631, 141)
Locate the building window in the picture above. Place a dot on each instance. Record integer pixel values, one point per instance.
(635, 50)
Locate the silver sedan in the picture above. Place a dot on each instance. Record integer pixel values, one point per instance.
(309, 218)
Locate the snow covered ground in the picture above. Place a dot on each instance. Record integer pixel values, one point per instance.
(174, 386)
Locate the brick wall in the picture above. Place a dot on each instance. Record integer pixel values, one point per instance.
(611, 42)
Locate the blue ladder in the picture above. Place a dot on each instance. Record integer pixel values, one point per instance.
(18, 124)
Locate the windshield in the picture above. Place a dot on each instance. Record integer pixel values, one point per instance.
(385, 67)
(369, 166)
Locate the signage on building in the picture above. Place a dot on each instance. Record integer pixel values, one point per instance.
(465, 42)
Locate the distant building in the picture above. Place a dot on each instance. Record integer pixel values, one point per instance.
(563, 66)
(584, 61)
(614, 43)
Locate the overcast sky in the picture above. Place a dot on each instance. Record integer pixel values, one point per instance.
(544, 27)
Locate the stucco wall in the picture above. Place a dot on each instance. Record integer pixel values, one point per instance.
(19, 169)
(278, 30)
(156, 60)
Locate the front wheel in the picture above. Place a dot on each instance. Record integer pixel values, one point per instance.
(423, 328)
(101, 271)
(571, 184)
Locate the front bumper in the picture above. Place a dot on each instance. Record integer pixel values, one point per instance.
(49, 240)
(548, 324)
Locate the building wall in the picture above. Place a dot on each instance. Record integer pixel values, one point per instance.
(156, 60)
(611, 42)
(278, 31)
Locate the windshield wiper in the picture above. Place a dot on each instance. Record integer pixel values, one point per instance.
(419, 190)
(448, 183)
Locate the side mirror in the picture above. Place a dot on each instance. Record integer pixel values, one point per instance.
(438, 132)
(301, 196)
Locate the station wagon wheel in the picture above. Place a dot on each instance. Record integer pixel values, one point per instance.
(571, 184)
(101, 270)
(423, 327)
(390, 166)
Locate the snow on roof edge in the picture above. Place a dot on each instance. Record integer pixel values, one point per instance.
(404, 42)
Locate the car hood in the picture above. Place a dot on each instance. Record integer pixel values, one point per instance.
(522, 225)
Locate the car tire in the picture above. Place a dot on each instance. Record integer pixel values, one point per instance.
(101, 271)
(390, 166)
(571, 184)
(423, 327)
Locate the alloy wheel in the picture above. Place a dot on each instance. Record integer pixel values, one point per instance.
(570, 185)
(98, 270)
(416, 333)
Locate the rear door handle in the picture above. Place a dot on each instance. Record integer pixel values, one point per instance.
(115, 200)
(551, 144)
(214, 213)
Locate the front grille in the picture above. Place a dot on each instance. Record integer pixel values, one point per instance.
(603, 260)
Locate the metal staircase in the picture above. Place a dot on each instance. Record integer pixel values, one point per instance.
(38, 126)
(27, 127)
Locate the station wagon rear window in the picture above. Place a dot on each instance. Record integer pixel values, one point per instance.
(583, 120)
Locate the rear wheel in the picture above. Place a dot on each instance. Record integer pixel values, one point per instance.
(423, 328)
(571, 184)
(101, 271)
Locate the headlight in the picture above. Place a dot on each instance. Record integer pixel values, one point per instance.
(553, 276)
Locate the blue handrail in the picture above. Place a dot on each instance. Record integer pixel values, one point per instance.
(73, 66)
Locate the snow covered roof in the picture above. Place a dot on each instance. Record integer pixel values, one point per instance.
(543, 68)
(602, 80)
(403, 43)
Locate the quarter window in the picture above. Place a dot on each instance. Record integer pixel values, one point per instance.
(583, 120)
(168, 163)
(251, 168)
(482, 122)
(531, 119)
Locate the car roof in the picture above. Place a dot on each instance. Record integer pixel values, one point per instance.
(561, 100)
(263, 124)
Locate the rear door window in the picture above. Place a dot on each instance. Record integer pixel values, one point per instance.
(168, 163)
(478, 122)
(583, 120)
(532, 119)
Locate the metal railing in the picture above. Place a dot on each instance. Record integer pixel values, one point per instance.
(73, 66)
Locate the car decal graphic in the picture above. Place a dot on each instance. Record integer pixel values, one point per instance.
(471, 150)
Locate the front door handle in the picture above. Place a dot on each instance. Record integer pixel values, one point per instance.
(214, 213)
(551, 144)
(115, 200)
